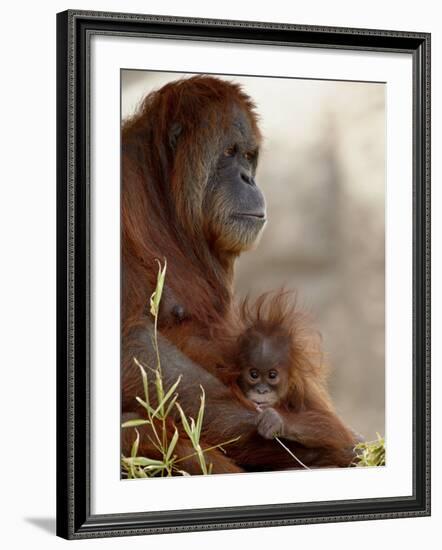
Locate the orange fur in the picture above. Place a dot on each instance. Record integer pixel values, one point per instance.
(307, 400)
(162, 216)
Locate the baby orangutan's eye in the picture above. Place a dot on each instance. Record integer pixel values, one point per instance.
(254, 373)
(273, 374)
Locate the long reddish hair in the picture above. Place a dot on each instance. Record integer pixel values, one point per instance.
(169, 148)
(273, 313)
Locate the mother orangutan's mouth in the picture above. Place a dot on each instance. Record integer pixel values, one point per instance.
(255, 215)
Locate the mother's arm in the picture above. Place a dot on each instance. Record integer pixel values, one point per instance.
(224, 415)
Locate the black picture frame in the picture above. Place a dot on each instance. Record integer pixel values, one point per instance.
(74, 518)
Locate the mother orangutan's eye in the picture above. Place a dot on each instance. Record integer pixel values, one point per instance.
(249, 155)
(230, 151)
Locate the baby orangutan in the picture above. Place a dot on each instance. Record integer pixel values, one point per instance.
(264, 377)
(280, 373)
(272, 361)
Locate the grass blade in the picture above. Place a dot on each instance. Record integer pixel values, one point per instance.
(172, 445)
(144, 378)
(134, 423)
(134, 450)
(199, 420)
(148, 408)
(143, 461)
(167, 396)
(156, 296)
(185, 422)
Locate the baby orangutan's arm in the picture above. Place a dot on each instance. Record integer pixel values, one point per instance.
(311, 428)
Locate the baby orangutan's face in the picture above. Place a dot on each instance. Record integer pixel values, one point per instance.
(264, 386)
(264, 369)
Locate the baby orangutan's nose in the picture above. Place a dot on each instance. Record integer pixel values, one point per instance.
(262, 388)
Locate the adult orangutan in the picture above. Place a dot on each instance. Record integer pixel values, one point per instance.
(189, 157)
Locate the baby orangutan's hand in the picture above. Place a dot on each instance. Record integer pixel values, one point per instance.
(270, 423)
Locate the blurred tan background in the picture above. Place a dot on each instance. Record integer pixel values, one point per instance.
(322, 170)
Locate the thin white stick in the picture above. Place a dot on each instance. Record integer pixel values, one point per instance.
(291, 454)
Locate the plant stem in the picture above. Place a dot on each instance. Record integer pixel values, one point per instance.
(291, 454)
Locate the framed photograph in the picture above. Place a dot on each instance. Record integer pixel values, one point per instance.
(243, 240)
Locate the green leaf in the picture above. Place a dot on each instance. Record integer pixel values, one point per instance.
(167, 395)
(159, 386)
(170, 405)
(134, 423)
(153, 467)
(201, 459)
(185, 422)
(144, 378)
(370, 453)
(134, 450)
(142, 461)
(153, 471)
(155, 299)
(148, 408)
(199, 420)
(172, 445)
